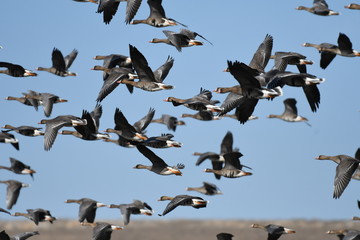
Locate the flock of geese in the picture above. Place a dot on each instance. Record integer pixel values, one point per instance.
(254, 83)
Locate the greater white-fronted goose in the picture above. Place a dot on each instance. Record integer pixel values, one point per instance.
(274, 231)
(136, 207)
(87, 209)
(346, 234)
(224, 236)
(217, 159)
(170, 121)
(353, 6)
(131, 132)
(90, 131)
(15, 70)
(163, 141)
(329, 51)
(200, 102)
(157, 17)
(47, 100)
(184, 38)
(111, 61)
(158, 165)
(60, 65)
(320, 7)
(13, 191)
(54, 125)
(206, 188)
(111, 81)
(102, 230)
(21, 236)
(109, 9)
(182, 200)
(22, 100)
(344, 47)
(252, 91)
(344, 171)
(232, 167)
(290, 113)
(25, 130)
(123, 142)
(6, 137)
(148, 80)
(19, 167)
(293, 58)
(37, 215)
(202, 115)
(307, 82)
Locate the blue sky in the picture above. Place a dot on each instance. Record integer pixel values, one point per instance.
(286, 183)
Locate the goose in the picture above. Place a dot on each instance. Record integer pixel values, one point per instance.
(123, 142)
(22, 100)
(102, 230)
(307, 82)
(87, 209)
(232, 167)
(202, 115)
(182, 200)
(224, 236)
(113, 60)
(19, 167)
(217, 159)
(344, 171)
(15, 70)
(293, 58)
(6, 137)
(37, 215)
(157, 16)
(290, 113)
(158, 165)
(136, 207)
(13, 191)
(114, 75)
(206, 188)
(329, 51)
(344, 47)
(148, 80)
(109, 9)
(60, 65)
(90, 130)
(251, 90)
(320, 7)
(53, 126)
(47, 100)
(25, 130)
(184, 38)
(131, 132)
(201, 101)
(21, 236)
(274, 231)
(353, 6)
(163, 141)
(170, 121)
(346, 234)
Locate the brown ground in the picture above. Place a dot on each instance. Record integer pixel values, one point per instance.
(180, 229)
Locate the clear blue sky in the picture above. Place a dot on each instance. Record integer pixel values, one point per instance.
(286, 183)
